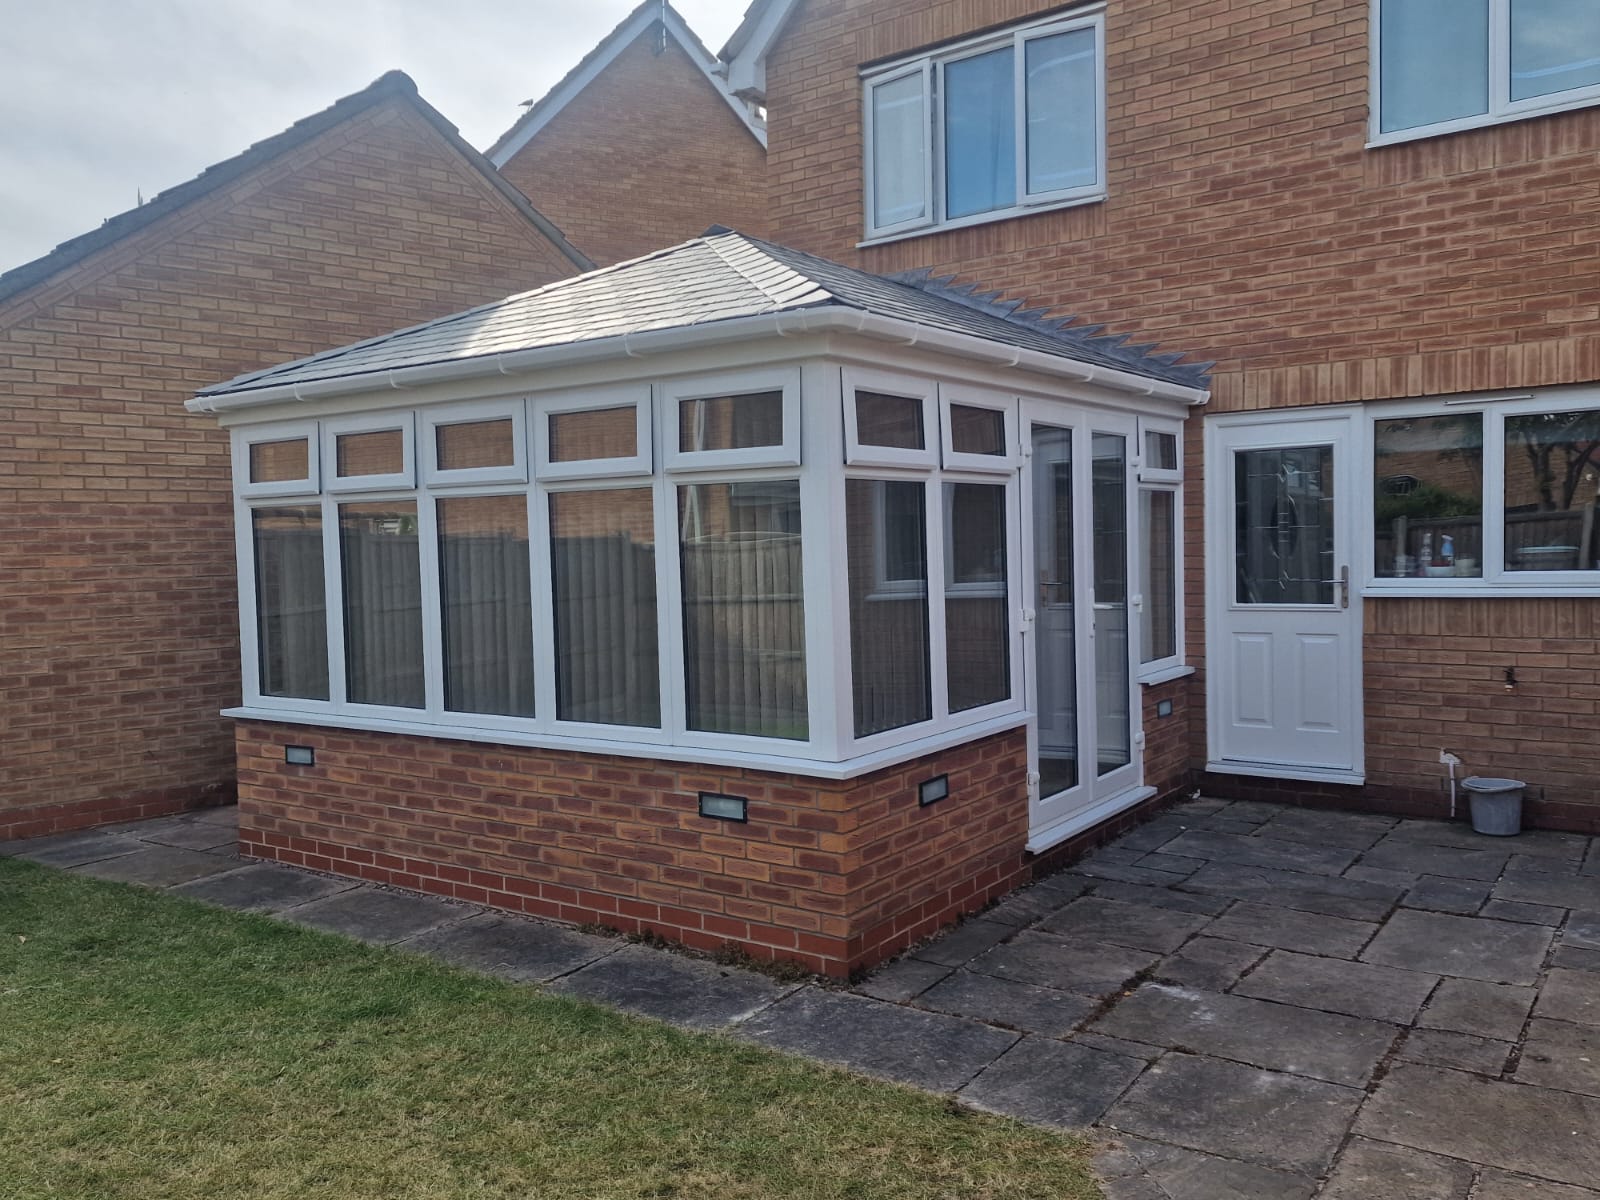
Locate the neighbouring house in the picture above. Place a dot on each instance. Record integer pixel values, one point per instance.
(118, 644)
(641, 145)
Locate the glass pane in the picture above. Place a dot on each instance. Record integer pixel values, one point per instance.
(381, 452)
(382, 603)
(1111, 658)
(1159, 622)
(280, 462)
(899, 152)
(291, 604)
(466, 444)
(743, 613)
(1056, 641)
(1435, 61)
(1062, 121)
(603, 575)
(1283, 525)
(1552, 491)
(1555, 46)
(888, 562)
(976, 430)
(1428, 496)
(980, 153)
(976, 609)
(1160, 450)
(883, 420)
(486, 604)
(731, 422)
(594, 433)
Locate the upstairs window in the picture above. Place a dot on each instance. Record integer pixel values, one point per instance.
(994, 127)
(1442, 65)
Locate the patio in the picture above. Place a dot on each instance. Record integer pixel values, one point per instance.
(1246, 1000)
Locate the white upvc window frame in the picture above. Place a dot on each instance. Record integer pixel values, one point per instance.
(673, 393)
(1502, 109)
(591, 399)
(932, 66)
(431, 420)
(333, 428)
(906, 387)
(1148, 471)
(245, 437)
(970, 396)
(1151, 478)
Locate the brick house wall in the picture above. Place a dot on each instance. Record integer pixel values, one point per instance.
(1246, 221)
(646, 156)
(118, 615)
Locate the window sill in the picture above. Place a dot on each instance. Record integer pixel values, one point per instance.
(1399, 137)
(1464, 590)
(987, 218)
(1164, 675)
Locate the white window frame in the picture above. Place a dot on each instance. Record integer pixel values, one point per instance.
(636, 396)
(333, 428)
(924, 391)
(1148, 472)
(1502, 108)
(969, 396)
(279, 431)
(432, 419)
(732, 383)
(1150, 478)
(883, 586)
(932, 65)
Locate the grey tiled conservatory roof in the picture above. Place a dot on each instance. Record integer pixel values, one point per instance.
(719, 276)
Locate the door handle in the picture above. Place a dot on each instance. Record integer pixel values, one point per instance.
(1343, 583)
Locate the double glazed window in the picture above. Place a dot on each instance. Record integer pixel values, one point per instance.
(1452, 64)
(1160, 547)
(987, 129)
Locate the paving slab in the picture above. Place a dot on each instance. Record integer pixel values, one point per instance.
(1489, 1010)
(1582, 931)
(1254, 811)
(1440, 893)
(1050, 1083)
(1421, 858)
(1561, 1055)
(1327, 1046)
(1335, 985)
(193, 835)
(1459, 1051)
(1576, 891)
(1352, 831)
(1152, 835)
(1470, 947)
(1283, 1121)
(157, 866)
(220, 814)
(1069, 964)
(1369, 1170)
(964, 941)
(1498, 1185)
(1021, 909)
(1190, 1175)
(902, 979)
(1200, 806)
(513, 948)
(1140, 926)
(1182, 867)
(372, 914)
(71, 849)
(1526, 914)
(1569, 996)
(690, 992)
(1397, 879)
(1541, 864)
(1512, 1126)
(1006, 1002)
(1332, 896)
(1210, 963)
(1290, 929)
(1250, 851)
(262, 888)
(923, 1049)
(1114, 852)
(1462, 836)
(1122, 1046)
(1575, 958)
(1126, 874)
(1161, 897)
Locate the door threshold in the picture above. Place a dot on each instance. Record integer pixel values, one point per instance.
(1268, 770)
(1103, 810)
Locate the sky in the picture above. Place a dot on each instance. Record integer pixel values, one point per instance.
(104, 100)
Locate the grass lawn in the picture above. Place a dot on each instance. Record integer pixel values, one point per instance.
(152, 1047)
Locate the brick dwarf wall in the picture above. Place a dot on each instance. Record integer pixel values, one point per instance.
(118, 617)
(834, 875)
(647, 155)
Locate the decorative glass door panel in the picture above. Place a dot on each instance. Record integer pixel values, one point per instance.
(1283, 525)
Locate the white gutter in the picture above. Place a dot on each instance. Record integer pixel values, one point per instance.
(833, 319)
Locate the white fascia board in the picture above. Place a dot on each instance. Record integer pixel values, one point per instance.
(746, 68)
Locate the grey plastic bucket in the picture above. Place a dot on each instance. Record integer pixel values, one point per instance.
(1496, 804)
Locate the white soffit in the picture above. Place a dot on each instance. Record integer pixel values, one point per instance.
(744, 58)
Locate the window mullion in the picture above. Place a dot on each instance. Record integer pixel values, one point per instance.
(1493, 565)
(431, 580)
(1019, 84)
(1499, 56)
(333, 589)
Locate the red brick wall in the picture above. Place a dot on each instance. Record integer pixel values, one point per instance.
(118, 625)
(646, 156)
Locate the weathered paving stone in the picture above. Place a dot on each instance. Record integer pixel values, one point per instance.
(1006, 1002)
(1461, 835)
(926, 1050)
(1213, 964)
(1526, 914)
(1332, 896)
(372, 915)
(1374, 1171)
(1582, 931)
(193, 835)
(1152, 835)
(1070, 964)
(1460, 1051)
(1322, 1045)
(1512, 1126)
(157, 866)
(1172, 863)
(1126, 874)
(1115, 853)
(902, 979)
(1219, 823)
(1569, 996)
(71, 849)
(262, 888)
(1498, 1185)
(1144, 928)
(965, 940)
(1542, 865)
(1353, 831)
(1488, 1010)
(1334, 985)
(1160, 897)
(1249, 851)
(1399, 880)
(1024, 907)
(1254, 811)
(1045, 1082)
(1439, 893)
(1195, 1176)
(1283, 1121)
(1067, 885)
(512, 948)
(1576, 891)
(1122, 1046)
(1471, 947)
(1400, 854)
(670, 987)
(1289, 929)
(1574, 958)
(1561, 1055)
(1203, 806)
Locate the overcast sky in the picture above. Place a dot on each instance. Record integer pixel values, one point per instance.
(101, 100)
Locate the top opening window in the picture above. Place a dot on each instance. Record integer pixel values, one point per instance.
(992, 128)
(743, 418)
(1443, 65)
(276, 460)
(474, 443)
(594, 432)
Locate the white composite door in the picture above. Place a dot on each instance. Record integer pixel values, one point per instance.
(1283, 631)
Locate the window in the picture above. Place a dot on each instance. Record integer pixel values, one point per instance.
(738, 419)
(368, 453)
(1442, 65)
(1160, 548)
(994, 127)
(593, 432)
(474, 443)
(887, 543)
(291, 602)
(486, 604)
(890, 420)
(1427, 503)
(977, 624)
(382, 603)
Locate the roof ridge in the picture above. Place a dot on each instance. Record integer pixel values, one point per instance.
(717, 241)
